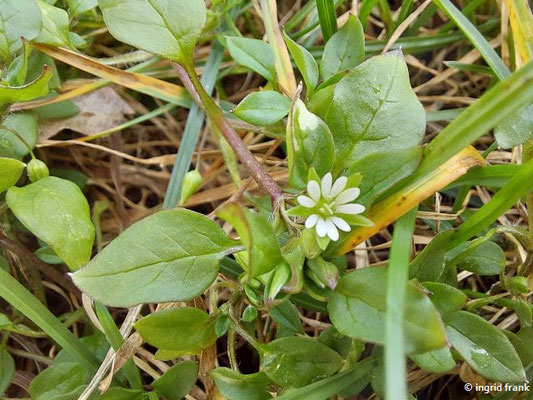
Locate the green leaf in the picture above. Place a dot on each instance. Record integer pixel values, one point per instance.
(78, 7)
(345, 50)
(18, 18)
(7, 366)
(177, 381)
(235, 386)
(11, 171)
(335, 340)
(254, 54)
(169, 256)
(55, 26)
(374, 108)
(516, 129)
(184, 330)
(286, 315)
(58, 380)
(437, 361)
(429, 264)
(445, 297)
(484, 347)
(305, 62)
(486, 258)
(56, 211)
(118, 393)
(263, 108)
(357, 309)
(30, 91)
(309, 145)
(378, 176)
(18, 69)
(298, 361)
(167, 28)
(257, 236)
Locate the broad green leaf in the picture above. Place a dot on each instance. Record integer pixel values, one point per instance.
(335, 340)
(184, 330)
(168, 28)
(55, 26)
(357, 309)
(56, 211)
(374, 108)
(321, 100)
(235, 386)
(516, 129)
(18, 18)
(254, 54)
(305, 62)
(429, 264)
(57, 380)
(263, 108)
(484, 347)
(378, 176)
(487, 258)
(29, 91)
(177, 381)
(438, 361)
(257, 236)
(11, 171)
(7, 369)
(77, 7)
(118, 393)
(445, 297)
(345, 50)
(309, 145)
(523, 343)
(169, 256)
(298, 361)
(286, 315)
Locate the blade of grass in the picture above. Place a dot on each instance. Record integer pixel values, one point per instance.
(116, 340)
(145, 84)
(327, 18)
(522, 25)
(21, 299)
(467, 11)
(495, 176)
(506, 197)
(393, 207)
(475, 37)
(397, 277)
(365, 10)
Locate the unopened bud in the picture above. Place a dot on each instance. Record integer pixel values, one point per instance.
(191, 183)
(37, 170)
(326, 272)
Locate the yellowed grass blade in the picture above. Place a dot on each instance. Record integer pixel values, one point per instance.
(522, 25)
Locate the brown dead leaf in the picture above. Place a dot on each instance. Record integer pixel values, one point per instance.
(99, 110)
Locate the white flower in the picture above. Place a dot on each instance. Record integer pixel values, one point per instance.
(329, 202)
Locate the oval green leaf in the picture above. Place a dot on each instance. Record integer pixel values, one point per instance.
(56, 211)
(235, 386)
(263, 108)
(11, 171)
(177, 381)
(254, 54)
(169, 256)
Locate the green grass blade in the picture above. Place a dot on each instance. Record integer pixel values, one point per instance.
(506, 197)
(365, 10)
(495, 176)
(193, 126)
(116, 340)
(397, 277)
(20, 298)
(475, 37)
(492, 108)
(327, 17)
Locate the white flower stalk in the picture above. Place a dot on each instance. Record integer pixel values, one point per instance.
(330, 206)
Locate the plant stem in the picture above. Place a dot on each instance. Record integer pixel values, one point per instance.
(216, 115)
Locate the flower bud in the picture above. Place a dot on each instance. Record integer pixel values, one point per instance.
(191, 183)
(37, 170)
(309, 243)
(280, 276)
(325, 272)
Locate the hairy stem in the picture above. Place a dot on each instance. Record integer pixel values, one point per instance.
(215, 114)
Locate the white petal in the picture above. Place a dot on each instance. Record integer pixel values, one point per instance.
(311, 221)
(305, 201)
(350, 209)
(321, 228)
(338, 186)
(327, 180)
(341, 224)
(313, 190)
(348, 195)
(333, 233)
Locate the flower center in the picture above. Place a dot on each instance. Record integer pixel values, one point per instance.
(326, 210)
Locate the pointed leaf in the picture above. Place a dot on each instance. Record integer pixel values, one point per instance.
(177, 381)
(169, 256)
(55, 25)
(305, 62)
(254, 54)
(263, 108)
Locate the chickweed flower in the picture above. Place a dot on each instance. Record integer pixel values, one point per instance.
(328, 206)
